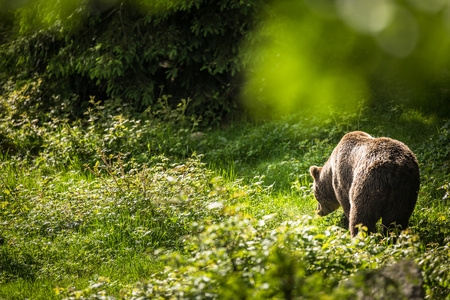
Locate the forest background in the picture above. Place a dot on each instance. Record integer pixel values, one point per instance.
(161, 149)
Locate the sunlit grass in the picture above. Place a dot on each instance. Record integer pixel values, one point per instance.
(105, 226)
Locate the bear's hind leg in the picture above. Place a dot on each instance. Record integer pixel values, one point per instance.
(400, 204)
(365, 204)
(364, 217)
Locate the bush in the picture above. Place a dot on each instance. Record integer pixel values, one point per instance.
(133, 50)
(50, 138)
(248, 258)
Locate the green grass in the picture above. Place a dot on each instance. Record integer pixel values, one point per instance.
(122, 208)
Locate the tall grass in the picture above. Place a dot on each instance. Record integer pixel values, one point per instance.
(115, 206)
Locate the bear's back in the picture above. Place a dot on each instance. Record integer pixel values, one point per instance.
(359, 153)
(358, 148)
(391, 154)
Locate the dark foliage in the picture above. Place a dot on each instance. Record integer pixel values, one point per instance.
(135, 51)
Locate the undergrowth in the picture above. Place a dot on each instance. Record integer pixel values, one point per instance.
(156, 206)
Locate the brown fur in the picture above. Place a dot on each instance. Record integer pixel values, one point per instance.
(371, 178)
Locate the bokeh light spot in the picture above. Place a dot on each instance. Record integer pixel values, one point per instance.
(400, 37)
(366, 16)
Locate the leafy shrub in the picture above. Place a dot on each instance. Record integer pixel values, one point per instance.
(246, 258)
(134, 51)
(52, 139)
(436, 272)
(19, 122)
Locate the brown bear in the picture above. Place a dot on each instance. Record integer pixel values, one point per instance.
(371, 178)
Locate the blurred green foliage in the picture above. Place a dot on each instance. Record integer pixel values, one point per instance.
(320, 54)
(268, 57)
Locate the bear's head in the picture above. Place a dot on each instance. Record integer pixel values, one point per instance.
(323, 191)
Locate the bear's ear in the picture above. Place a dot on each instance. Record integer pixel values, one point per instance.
(315, 172)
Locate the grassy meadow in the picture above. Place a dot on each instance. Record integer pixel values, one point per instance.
(155, 206)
